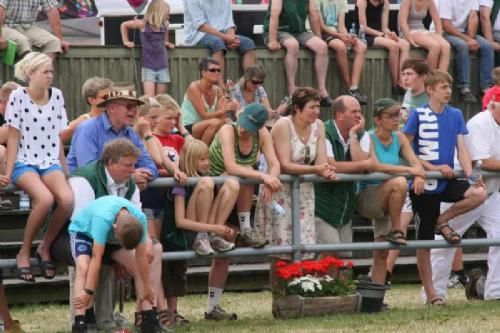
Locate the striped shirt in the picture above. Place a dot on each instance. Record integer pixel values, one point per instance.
(216, 13)
(217, 166)
(24, 13)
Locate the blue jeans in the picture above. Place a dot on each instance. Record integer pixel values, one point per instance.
(215, 44)
(462, 61)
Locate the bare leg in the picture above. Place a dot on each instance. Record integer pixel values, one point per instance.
(81, 270)
(218, 273)
(392, 194)
(458, 263)
(378, 266)
(155, 276)
(8, 322)
(404, 53)
(206, 129)
(201, 200)
(248, 59)
(393, 58)
(319, 47)
(433, 50)
(359, 62)
(224, 202)
(393, 254)
(342, 61)
(149, 88)
(425, 272)
(291, 62)
(473, 197)
(161, 88)
(245, 196)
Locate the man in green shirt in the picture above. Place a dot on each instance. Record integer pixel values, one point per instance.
(413, 73)
(335, 202)
(285, 24)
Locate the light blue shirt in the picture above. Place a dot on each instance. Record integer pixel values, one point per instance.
(216, 13)
(97, 219)
(90, 137)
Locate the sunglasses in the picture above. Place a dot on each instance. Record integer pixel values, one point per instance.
(256, 82)
(129, 107)
(214, 70)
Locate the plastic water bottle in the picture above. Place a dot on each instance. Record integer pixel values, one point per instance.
(276, 209)
(476, 174)
(24, 201)
(361, 34)
(352, 32)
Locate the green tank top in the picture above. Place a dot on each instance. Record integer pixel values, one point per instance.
(217, 166)
(189, 114)
(292, 17)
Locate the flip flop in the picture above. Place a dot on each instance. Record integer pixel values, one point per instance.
(23, 272)
(46, 266)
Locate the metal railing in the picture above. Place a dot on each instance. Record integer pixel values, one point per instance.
(296, 249)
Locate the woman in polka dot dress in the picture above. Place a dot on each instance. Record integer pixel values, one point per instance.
(35, 157)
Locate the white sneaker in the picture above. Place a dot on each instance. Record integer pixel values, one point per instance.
(219, 244)
(201, 245)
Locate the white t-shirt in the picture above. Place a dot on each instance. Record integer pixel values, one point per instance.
(489, 4)
(482, 141)
(39, 127)
(457, 11)
(365, 140)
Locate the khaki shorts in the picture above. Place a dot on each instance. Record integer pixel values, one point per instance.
(32, 36)
(303, 38)
(369, 206)
(328, 234)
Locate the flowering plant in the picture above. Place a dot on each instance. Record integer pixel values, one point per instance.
(326, 277)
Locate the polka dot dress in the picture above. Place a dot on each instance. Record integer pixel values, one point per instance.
(39, 126)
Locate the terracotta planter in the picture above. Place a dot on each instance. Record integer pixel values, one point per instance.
(298, 306)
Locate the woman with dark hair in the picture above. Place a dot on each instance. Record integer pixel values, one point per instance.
(299, 142)
(205, 107)
(249, 90)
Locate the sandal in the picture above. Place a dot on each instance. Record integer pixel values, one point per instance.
(452, 237)
(46, 266)
(396, 237)
(165, 318)
(180, 320)
(23, 273)
(437, 301)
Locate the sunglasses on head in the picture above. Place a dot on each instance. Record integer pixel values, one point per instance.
(129, 107)
(214, 70)
(257, 82)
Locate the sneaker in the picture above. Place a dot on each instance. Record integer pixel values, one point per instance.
(150, 322)
(219, 244)
(468, 97)
(219, 313)
(457, 280)
(202, 245)
(397, 90)
(470, 289)
(79, 328)
(356, 93)
(325, 102)
(251, 238)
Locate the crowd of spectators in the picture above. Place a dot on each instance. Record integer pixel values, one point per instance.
(109, 225)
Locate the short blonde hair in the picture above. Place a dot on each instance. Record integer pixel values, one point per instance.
(167, 101)
(7, 88)
(191, 152)
(436, 76)
(156, 12)
(30, 63)
(149, 102)
(92, 86)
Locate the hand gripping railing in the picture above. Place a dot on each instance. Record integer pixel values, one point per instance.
(296, 248)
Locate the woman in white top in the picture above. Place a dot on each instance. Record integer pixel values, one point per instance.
(411, 27)
(35, 157)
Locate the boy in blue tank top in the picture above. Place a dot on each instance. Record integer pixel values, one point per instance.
(437, 130)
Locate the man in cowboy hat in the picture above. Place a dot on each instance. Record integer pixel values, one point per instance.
(90, 137)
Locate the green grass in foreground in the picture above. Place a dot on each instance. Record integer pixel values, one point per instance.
(407, 314)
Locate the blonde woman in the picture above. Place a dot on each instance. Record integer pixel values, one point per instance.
(411, 27)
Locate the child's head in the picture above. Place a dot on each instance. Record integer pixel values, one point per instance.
(95, 90)
(5, 91)
(167, 101)
(413, 73)
(128, 230)
(168, 119)
(438, 85)
(496, 75)
(158, 13)
(150, 110)
(35, 69)
(195, 158)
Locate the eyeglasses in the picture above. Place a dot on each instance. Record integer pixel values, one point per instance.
(214, 70)
(394, 115)
(129, 107)
(257, 82)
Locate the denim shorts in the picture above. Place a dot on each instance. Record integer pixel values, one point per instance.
(153, 213)
(161, 76)
(20, 169)
(82, 244)
(215, 44)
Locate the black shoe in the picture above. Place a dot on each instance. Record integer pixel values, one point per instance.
(397, 90)
(326, 102)
(467, 97)
(150, 322)
(470, 289)
(356, 93)
(79, 326)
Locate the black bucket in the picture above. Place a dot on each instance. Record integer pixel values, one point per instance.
(372, 296)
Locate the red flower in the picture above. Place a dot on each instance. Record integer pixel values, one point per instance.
(281, 264)
(350, 264)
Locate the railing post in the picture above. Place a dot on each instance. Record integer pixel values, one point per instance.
(295, 201)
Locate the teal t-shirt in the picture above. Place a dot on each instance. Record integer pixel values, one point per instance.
(97, 219)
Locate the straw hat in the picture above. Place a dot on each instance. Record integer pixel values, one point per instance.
(121, 90)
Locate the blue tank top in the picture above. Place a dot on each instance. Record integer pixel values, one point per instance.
(154, 52)
(386, 154)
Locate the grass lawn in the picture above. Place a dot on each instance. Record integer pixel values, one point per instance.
(407, 314)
